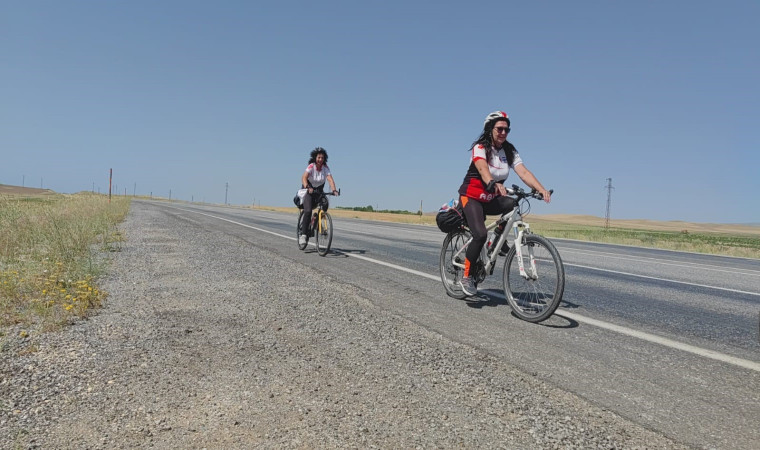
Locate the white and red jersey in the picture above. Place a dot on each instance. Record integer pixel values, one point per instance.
(317, 177)
(473, 185)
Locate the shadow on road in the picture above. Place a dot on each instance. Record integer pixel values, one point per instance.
(495, 297)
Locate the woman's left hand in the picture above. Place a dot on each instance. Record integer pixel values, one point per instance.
(547, 195)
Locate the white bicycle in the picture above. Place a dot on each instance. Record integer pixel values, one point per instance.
(534, 276)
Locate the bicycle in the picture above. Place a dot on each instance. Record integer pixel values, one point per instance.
(534, 275)
(320, 225)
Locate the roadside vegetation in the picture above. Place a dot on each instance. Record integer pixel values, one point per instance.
(369, 208)
(51, 255)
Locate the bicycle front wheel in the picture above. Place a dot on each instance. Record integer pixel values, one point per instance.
(452, 262)
(298, 230)
(324, 233)
(536, 294)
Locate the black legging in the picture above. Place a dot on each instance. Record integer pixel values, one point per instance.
(475, 212)
(309, 200)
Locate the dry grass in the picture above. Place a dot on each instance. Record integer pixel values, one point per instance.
(49, 247)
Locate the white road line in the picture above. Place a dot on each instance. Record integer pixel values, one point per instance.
(665, 279)
(577, 317)
(664, 341)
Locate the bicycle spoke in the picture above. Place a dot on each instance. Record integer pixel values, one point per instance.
(451, 252)
(536, 298)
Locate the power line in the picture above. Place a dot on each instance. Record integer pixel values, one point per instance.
(609, 200)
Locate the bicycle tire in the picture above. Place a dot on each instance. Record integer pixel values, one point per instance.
(451, 274)
(324, 234)
(298, 231)
(534, 300)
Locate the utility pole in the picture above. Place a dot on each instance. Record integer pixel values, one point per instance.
(110, 179)
(134, 190)
(23, 180)
(226, 189)
(609, 200)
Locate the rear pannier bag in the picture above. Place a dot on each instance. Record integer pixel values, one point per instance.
(450, 217)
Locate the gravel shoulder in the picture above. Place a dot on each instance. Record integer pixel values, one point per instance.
(207, 342)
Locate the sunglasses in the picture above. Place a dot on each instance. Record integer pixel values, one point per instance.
(502, 129)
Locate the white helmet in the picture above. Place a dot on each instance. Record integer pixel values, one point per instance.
(496, 115)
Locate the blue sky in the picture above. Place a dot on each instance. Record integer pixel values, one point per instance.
(194, 96)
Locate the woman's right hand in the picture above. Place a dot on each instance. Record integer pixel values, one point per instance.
(500, 189)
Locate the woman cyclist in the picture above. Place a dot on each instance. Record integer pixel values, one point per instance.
(483, 193)
(313, 179)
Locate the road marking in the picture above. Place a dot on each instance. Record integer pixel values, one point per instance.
(664, 279)
(747, 364)
(664, 341)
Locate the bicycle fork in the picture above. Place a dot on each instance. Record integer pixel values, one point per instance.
(519, 230)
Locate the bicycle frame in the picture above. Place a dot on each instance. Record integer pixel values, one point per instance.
(319, 212)
(514, 222)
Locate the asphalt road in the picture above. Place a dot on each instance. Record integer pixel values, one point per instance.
(666, 339)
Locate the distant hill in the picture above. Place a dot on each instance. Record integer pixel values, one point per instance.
(7, 189)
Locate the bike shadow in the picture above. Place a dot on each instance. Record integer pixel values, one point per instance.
(495, 297)
(344, 252)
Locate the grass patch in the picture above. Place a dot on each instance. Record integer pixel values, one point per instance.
(50, 259)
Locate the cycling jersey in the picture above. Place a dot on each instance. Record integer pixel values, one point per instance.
(315, 177)
(473, 185)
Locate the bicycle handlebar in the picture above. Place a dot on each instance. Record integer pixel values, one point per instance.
(330, 193)
(520, 193)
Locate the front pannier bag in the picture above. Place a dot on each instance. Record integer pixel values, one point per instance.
(298, 199)
(450, 217)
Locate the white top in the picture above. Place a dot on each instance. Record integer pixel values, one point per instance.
(498, 164)
(317, 177)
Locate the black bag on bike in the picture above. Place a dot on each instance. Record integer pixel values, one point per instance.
(298, 199)
(450, 217)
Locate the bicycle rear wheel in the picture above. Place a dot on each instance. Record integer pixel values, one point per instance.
(452, 262)
(536, 298)
(324, 234)
(298, 231)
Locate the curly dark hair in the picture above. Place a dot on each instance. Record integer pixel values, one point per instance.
(315, 152)
(486, 141)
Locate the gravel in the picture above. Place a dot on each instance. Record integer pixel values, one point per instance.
(207, 341)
